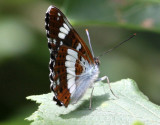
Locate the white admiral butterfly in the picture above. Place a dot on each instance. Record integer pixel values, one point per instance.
(73, 69)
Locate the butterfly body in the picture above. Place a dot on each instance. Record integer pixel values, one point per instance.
(73, 69)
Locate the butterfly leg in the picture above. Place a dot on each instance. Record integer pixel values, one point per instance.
(107, 79)
(90, 103)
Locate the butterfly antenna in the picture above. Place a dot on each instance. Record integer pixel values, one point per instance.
(117, 45)
(89, 42)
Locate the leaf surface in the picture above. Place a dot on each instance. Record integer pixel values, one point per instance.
(132, 107)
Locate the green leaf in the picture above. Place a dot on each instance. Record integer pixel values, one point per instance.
(132, 107)
(133, 14)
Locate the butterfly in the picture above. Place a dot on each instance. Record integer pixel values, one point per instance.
(73, 68)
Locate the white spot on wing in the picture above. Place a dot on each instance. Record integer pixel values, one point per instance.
(72, 53)
(78, 47)
(59, 14)
(63, 30)
(71, 72)
(54, 41)
(70, 64)
(73, 69)
(61, 35)
(58, 82)
(49, 40)
(70, 58)
(67, 28)
(61, 43)
(47, 31)
(57, 18)
(69, 76)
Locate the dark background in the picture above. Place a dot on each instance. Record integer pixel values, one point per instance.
(24, 55)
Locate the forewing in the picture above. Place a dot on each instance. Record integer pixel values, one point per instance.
(60, 32)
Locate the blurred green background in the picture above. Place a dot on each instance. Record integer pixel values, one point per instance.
(24, 55)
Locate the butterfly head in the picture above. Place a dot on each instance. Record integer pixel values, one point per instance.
(96, 60)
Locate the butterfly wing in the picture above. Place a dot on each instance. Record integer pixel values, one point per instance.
(69, 55)
(59, 31)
